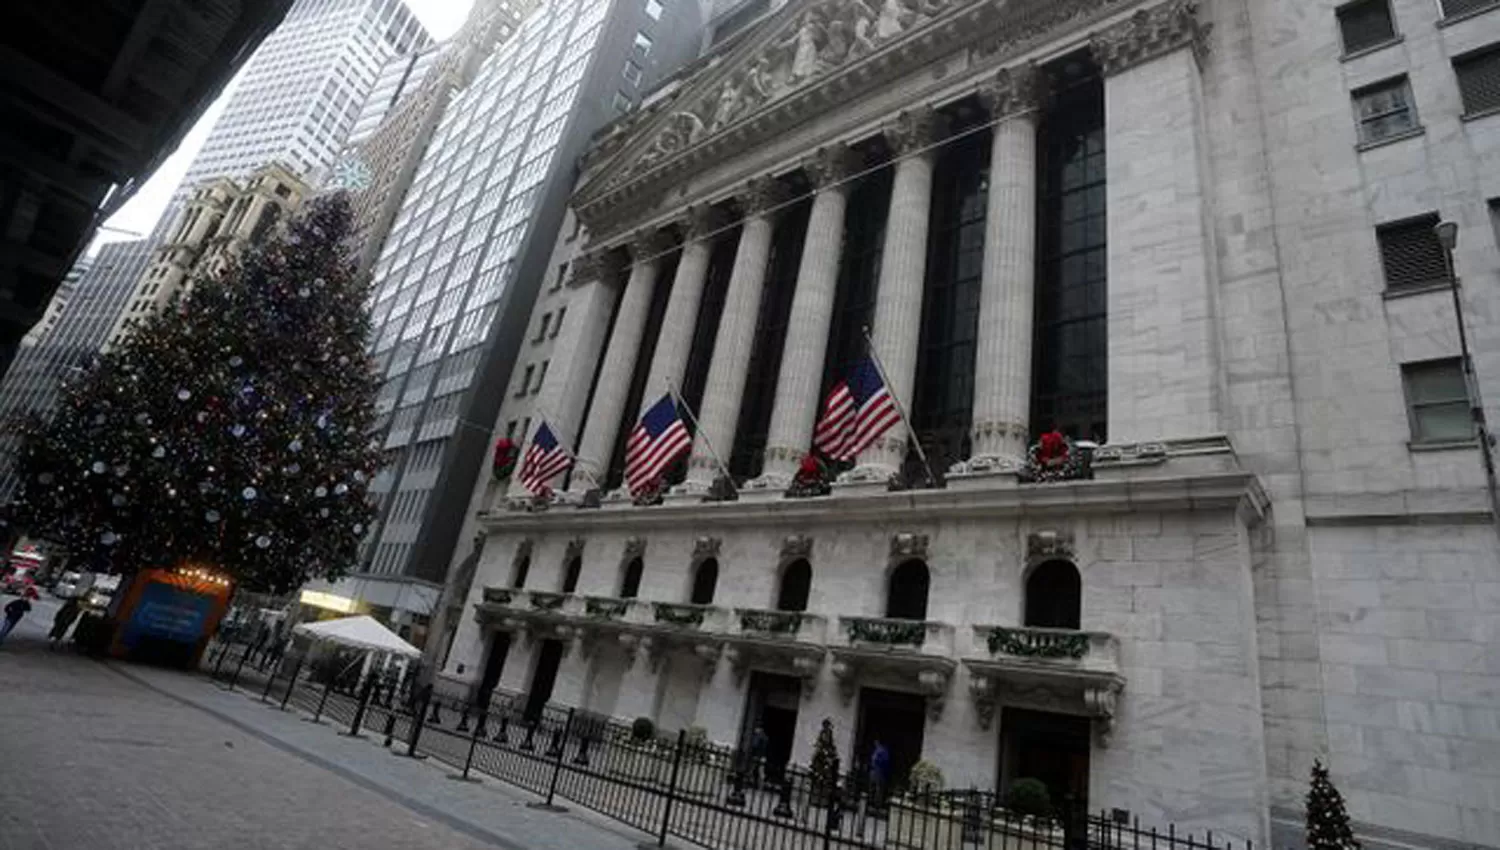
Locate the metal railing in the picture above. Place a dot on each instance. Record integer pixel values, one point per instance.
(674, 786)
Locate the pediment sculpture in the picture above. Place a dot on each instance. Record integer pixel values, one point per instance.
(822, 37)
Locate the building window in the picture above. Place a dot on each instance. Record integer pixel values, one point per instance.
(796, 586)
(705, 582)
(1411, 254)
(526, 381)
(1437, 401)
(1384, 110)
(654, 9)
(632, 73)
(859, 270)
(557, 324)
(572, 573)
(622, 102)
(630, 580)
(906, 591)
(562, 270)
(1365, 24)
(541, 377)
(1054, 594)
(643, 44)
(522, 567)
(1479, 80)
(1495, 219)
(541, 331)
(1459, 8)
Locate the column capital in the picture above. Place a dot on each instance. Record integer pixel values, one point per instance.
(830, 165)
(648, 244)
(761, 195)
(1150, 33)
(914, 130)
(700, 221)
(587, 267)
(1013, 91)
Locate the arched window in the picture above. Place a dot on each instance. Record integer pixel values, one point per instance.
(571, 574)
(1054, 595)
(906, 594)
(796, 583)
(630, 580)
(523, 566)
(705, 580)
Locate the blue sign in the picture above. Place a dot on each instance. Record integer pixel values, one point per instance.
(168, 613)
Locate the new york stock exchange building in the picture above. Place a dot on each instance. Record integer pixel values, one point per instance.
(1184, 494)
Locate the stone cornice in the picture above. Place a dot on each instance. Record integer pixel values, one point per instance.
(1223, 491)
(992, 30)
(1149, 33)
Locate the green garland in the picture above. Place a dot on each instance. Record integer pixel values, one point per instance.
(547, 601)
(497, 595)
(911, 633)
(775, 622)
(678, 615)
(1026, 643)
(605, 609)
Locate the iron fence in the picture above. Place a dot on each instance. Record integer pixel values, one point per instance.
(676, 786)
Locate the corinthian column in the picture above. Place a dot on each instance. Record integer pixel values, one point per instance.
(719, 414)
(619, 360)
(681, 318)
(807, 328)
(1002, 363)
(903, 271)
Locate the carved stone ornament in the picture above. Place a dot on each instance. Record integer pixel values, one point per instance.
(1150, 33)
(1013, 91)
(648, 245)
(1050, 544)
(575, 549)
(847, 675)
(706, 547)
(831, 165)
(796, 546)
(907, 545)
(587, 268)
(761, 196)
(709, 653)
(982, 693)
(915, 130)
(635, 547)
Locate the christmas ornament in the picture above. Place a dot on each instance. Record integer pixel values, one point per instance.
(159, 452)
(211, 516)
(248, 493)
(98, 467)
(183, 395)
(263, 542)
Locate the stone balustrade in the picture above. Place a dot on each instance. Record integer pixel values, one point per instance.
(1061, 647)
(798, 626)
(925, 636)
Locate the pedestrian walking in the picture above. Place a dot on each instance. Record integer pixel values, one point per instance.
(880, 772)
(63, 620)
(15, 611)
(759, 743)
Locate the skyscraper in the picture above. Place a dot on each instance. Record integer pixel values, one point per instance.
(465, 258)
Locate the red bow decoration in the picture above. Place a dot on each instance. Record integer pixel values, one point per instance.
(810, 469)
(1053, 447)
(505, 457)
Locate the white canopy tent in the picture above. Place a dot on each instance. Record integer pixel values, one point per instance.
(361, 632)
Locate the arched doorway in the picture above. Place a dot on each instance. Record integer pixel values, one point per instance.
(571, 574)
(705, 581)
(630, 579)
(796, 585)
(906, 592)
(1054, 593)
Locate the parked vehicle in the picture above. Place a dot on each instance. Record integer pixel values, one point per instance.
(73, 584)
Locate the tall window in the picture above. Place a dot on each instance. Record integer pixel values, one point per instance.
(518, 575)
(572, 573)
(796, 586)
(705, 582)
(1411, 256)
(1069, 377)
(1384, 110)
(1364, 24)
(906, 594)
(770, 333)
(630, 579)
(1054, 596)
(1479, 80)
(1437, 401)
(631, 414)
(859, 272)
(705, 332)
(942, 409)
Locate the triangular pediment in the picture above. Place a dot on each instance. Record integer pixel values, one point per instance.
(803, 44)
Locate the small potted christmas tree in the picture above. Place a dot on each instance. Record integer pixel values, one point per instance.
(824, 769)
(1327, 821)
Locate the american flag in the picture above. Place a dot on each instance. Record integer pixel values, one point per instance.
(858, 410)
(660, 439)
(544, 460)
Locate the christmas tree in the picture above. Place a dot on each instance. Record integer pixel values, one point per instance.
(825, 761)
(230, 430)
(1327, 822)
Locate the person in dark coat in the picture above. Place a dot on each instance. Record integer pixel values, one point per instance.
(63, 620)
(15, 611)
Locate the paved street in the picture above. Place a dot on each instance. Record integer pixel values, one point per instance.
(107, 756)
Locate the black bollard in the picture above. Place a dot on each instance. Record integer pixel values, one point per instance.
(463, 720)
(291, 683)
(365, 691)
(530, 743)
(502, 732)
(436, 718)
(390, 728)
(555, 751)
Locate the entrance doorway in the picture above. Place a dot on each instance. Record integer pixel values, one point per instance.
(772, 702)
(896, 719)
(548, 659)
(1052, 748)
(494, 665)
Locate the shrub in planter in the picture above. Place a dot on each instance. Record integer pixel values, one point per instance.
(1029, 797)
(642, 729)
(924, 778)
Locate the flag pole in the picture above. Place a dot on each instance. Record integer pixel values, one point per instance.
(547, 417)
(699, 432)
(900, 408)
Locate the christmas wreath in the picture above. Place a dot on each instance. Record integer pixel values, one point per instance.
(506, 452)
